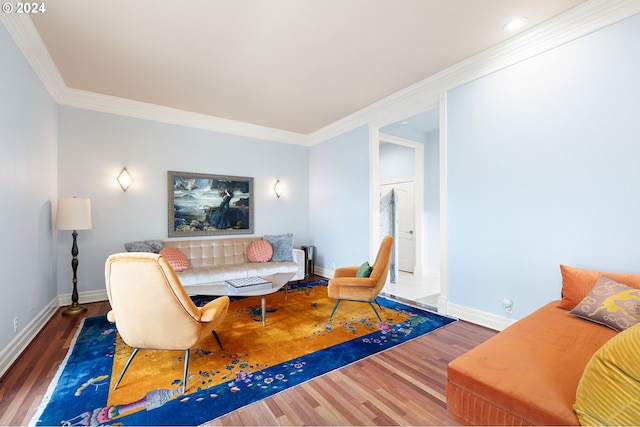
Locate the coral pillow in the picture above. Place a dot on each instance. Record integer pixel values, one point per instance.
(608, 390)
(175, 258)
(577, 283)
(611, 304)
(260, 251)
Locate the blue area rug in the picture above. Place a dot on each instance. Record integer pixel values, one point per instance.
(300, 345)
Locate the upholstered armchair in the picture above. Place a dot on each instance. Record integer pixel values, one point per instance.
(346, 286)
(151, 309)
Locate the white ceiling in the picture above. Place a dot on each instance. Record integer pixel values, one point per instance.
(293, 65)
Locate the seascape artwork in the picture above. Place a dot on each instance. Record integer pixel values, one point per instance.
(202, 204)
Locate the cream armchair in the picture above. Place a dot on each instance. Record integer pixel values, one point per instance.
(151, 309)
(346, 286)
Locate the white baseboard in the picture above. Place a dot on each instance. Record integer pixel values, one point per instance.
(16, 346)
(478, 317)
(83, 297)
(324, 272)
(468, 314)
(442, 304)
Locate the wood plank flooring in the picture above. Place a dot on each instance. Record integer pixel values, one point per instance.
(401, 386)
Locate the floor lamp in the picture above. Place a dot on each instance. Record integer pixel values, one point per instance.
(74, 214)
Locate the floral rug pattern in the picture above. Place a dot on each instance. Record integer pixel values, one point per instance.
(298, 344)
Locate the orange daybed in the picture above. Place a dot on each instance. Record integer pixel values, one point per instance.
(528, 374)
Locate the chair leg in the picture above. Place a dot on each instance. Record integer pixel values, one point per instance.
(217, 339)
(126, 365)
(376, 311)
(186, 368)
(370, 303)
(334, 309)
(377, 302)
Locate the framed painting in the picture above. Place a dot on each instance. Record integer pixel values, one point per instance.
(209, 205)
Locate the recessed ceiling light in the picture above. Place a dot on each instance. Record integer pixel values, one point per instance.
(404, 122)
(515, 24)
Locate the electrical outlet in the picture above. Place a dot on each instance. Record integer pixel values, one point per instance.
(15, 324)
(507, 304)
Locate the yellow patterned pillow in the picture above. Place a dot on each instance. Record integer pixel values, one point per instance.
(609, 390)
(610, 303)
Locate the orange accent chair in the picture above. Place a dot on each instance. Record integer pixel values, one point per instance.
(346, 286)
(152, 310)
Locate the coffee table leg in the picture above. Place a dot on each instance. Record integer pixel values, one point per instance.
(264, 310)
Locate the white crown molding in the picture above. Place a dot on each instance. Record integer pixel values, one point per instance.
(571, 25)
(33, 48)
(28, 40)
(577, 22)
(142, 110)
(385, 137)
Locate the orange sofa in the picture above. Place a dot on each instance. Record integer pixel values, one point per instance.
(529, 373)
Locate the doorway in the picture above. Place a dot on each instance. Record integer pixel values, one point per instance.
(403, 162)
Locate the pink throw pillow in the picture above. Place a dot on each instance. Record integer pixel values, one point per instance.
(260, 251)
(175, 258)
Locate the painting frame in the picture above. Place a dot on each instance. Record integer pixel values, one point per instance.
(200, 204)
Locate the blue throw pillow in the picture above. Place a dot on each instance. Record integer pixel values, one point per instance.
(282, 246)
(364, 270)
(144, 246)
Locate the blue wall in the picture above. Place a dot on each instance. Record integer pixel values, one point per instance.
(93, 148)
(28, 166)
(339, 199)
(543, 169)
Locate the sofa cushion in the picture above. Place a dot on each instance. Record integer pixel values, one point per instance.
(578, 282)
(260, 251)
(282, 246)
(175, 258)
(610, 303)
(213, 252)
(220, 273)
(609, 390)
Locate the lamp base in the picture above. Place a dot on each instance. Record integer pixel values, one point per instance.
(74, 309)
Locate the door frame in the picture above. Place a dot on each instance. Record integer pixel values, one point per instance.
(418, 157)
(374, 189)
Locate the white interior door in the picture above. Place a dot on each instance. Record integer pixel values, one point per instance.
(406, 244)
(406, 227)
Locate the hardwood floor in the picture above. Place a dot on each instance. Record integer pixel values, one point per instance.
(401, 386)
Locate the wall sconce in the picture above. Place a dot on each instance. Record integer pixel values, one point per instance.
(124, 179)
(278, 188)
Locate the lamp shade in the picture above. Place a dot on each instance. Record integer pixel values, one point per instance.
(73, 214)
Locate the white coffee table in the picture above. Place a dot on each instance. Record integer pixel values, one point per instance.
(278, 280)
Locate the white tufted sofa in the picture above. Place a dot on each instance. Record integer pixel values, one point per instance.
(216, 260)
